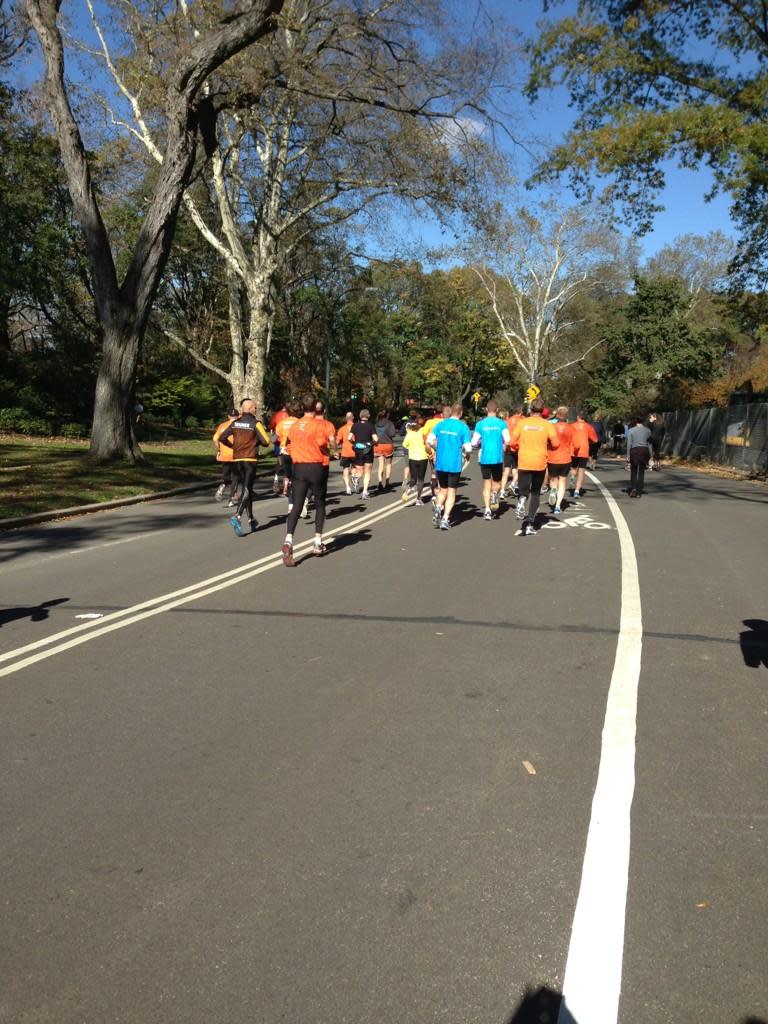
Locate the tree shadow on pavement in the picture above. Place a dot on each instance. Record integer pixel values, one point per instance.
(754, 643)
(541, 1007)
(546, 1006)
(671, 480)
(38, 613)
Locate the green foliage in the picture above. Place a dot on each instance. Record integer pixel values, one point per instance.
(74, 431)
(16, 420)
(655, 349)
(187, 400)
(653, 81)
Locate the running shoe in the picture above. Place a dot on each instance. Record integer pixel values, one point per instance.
(488, 515)
(515, 490)
(219, 492)
(406, 495)
(355, 484)
(231, 503)
(494, 501)
(276, 488)
(305, 510)
(287, 553)
(437, 513)
(552, 497)
(318, 550)
(520, 508)
(577, 494)
(365, 495)
(253, 523)
(557, 510)
(526, 530)
(290, 507)
(348, 490)
(445, 524)
(236, 526)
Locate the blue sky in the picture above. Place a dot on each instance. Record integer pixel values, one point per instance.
(685, 210)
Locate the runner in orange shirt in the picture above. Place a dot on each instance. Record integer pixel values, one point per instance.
(309, 441)
(532, 438)
(224, 458)
(347, 457)
(510, 457)
(559, 460)
(583, 433)
(274, 422)
(284, 458)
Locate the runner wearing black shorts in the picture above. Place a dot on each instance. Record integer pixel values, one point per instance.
(363, 438)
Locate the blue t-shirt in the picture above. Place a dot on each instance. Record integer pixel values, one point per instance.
(452, 435)
(490, 431)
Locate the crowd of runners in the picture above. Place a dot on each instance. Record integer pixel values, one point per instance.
(522, 453)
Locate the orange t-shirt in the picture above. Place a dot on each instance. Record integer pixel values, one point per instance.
(342, 438)
(223, 453)
(583, 433)
(276, 418)
(281, 431)
(308, 440)
(330, 433)
(562, 456)
(532, 437)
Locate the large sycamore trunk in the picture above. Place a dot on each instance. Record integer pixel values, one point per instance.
(257, 346)
(113, 436)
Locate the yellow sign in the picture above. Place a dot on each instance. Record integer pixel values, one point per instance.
(476, 397)
(533, 392)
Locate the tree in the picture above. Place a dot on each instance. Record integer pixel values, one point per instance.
(358, 102)
(534, 268)
(699, 262)
(654, 351)
(652, 81)
(123, 308)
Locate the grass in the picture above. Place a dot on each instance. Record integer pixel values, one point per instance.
(42, 474)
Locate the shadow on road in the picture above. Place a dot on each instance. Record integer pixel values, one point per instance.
(674, 480)
(38, 613)
(545, 1006)
(754, 643)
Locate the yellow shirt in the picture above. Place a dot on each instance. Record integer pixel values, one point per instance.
(413, 442)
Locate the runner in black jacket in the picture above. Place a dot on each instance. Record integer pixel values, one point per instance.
(244, 436)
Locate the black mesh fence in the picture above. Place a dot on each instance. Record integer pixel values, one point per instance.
(735, 437)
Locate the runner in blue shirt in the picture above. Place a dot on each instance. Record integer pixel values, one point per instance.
(450, 438)
(490, 436)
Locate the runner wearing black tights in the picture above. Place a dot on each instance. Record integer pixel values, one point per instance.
(309, 441)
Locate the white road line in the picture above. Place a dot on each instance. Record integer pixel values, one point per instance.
(166, 602)
(592, 984)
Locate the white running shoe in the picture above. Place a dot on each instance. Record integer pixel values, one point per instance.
(445, 524)
(488, 515)
(552, 497)
(520, 508)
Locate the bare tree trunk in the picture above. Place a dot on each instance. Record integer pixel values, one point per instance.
(113, 405)
(259, 334)
(237, 369)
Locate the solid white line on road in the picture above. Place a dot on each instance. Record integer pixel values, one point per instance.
(592, 984)
(166, 602)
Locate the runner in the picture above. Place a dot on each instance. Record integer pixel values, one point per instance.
(244, 436)
(583, 435)
(418, 459)
(363, 438)
(273, 424)
(451, 439)
(320, 416)
(439, 412)
(532, 437)
(224, 458)
(309, 441)
(491, 436)
(281, 432)
(384, 449)
(559, 460)
(347, 457)
(510, 457)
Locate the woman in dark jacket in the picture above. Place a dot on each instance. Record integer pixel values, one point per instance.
(658, 430)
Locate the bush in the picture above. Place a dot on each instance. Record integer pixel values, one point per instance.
(19, 421)
(192, 422)
(74, 430)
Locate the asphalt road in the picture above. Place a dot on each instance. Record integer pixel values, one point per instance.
(359, 791)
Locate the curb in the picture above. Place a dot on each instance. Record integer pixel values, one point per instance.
(99, 506)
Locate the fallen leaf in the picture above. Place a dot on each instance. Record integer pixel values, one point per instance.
(529, 767)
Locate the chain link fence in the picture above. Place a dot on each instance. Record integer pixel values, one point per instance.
(736, 437)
